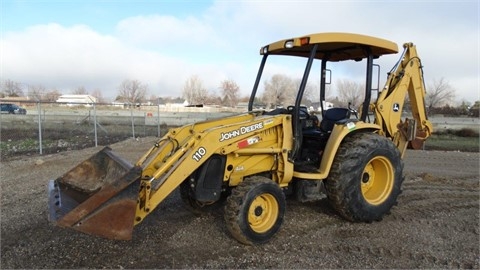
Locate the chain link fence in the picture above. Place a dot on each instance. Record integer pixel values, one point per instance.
(49, 127)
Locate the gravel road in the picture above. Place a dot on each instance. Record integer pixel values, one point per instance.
(435, 225)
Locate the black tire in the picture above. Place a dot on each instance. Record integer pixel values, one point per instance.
(254, 212)
(195, 206)
(366, 177)
(190, 203)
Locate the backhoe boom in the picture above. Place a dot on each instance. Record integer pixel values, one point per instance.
(405, 78)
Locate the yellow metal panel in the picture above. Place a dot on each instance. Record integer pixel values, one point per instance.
(244, 166)
(352, 46)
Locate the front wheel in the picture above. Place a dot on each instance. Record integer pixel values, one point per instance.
(254, 212)
(195, 206)
(366, 177)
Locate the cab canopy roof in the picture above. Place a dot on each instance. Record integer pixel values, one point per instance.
(332, 46)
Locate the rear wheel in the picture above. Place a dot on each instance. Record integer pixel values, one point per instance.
(366, 177)
(254, 212)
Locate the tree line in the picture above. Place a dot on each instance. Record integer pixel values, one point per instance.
(278, 90)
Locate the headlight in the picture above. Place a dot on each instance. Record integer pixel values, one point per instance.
(264, 50)
(288, 44)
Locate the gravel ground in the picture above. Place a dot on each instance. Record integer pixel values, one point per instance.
(435, 225)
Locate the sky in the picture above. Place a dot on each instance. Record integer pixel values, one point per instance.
(67, 44)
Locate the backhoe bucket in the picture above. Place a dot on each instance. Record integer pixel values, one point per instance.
(98, 197)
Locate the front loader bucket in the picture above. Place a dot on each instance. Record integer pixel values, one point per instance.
(98, 197)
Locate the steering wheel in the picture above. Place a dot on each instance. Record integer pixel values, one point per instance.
(303, 111)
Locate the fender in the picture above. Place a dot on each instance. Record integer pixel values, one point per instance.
(339, 132)
(208, 179)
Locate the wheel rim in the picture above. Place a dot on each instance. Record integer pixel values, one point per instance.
(377, 180)
(263, 213)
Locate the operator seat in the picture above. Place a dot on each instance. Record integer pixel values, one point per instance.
(333, 116)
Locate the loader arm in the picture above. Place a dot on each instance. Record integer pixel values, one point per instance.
(405, 78)
(176, 138)
(182, 151)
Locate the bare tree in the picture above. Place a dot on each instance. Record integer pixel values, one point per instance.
(36, 92)
(439, 93)
(80, 91)
(52, 95)
(213, 98)
(350, 91)
(279, 91)
(132, 91)
(153, 99)
(244, 98)
(194, 92)
(311, 93)
(12, 89)
(97, 93)
(230, 91)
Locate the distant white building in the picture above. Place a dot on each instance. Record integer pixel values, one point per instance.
(326, 105)
(77, 100)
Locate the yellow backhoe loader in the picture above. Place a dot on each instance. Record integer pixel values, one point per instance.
(251, 161)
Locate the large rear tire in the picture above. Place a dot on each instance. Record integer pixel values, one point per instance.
(254, 212)
(366, 177)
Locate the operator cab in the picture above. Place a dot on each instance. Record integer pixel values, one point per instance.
(284, 94)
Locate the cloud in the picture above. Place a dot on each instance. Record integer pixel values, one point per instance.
(222, 42)
(68, 57)
(446, 33)
(166, 31)
(60, 57)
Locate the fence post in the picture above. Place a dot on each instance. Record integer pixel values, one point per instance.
(94, 119)
(95, 123)
(145, 115)
(158, 118)
(133, 125)
(40, 127)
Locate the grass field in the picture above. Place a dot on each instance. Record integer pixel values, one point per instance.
(450, 142)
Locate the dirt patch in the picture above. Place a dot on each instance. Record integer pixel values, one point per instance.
(435, 225)
(24, 142)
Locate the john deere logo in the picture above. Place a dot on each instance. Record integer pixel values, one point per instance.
(396, 107)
